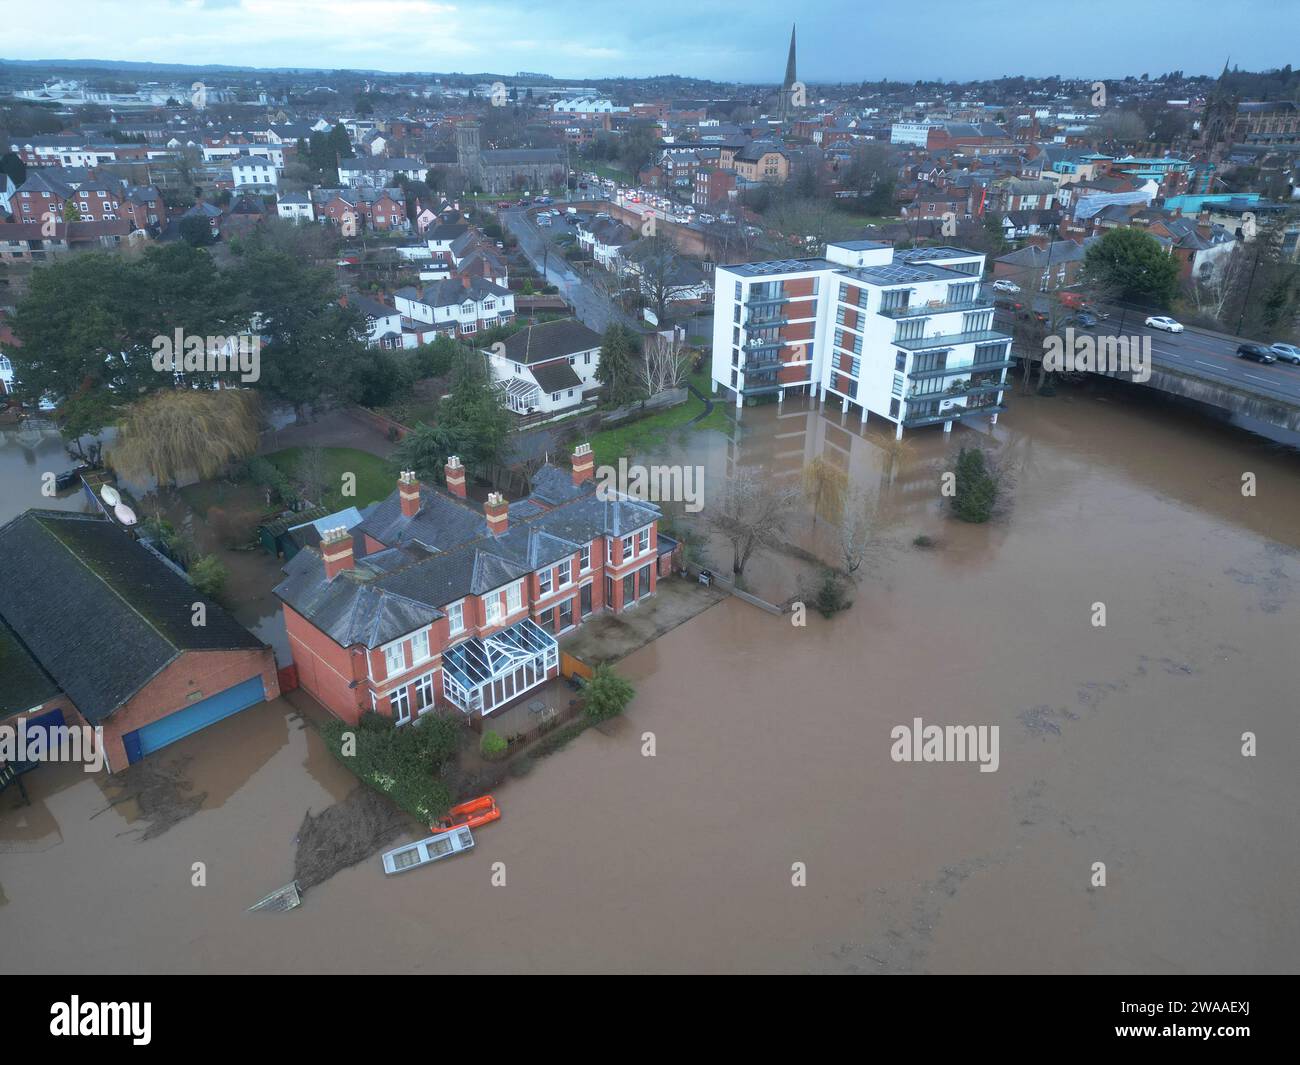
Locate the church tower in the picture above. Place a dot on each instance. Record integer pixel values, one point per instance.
(1220, 115)
(468, 155)
(785, 106)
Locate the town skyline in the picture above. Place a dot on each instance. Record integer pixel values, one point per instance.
(722, 41)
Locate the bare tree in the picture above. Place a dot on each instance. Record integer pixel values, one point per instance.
(855, 530)
(665, 364)
(309, 474)
(752, 513)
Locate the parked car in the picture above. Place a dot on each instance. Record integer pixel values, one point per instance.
(1257, 352)
(1072, 300)
(1005, 286)
(1286, 352)
(1084, 318)
(1160, 321)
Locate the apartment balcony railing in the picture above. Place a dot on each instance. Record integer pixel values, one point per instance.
(952, 414)
(950, 340)
(920, 310)
(970, 367)
(766, 363)
(761, 345)
(954, 393)
(766, 301)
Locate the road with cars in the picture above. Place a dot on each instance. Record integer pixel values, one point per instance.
(591, 306)
(1197, 352)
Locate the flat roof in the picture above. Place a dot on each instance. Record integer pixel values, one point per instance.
(778, 266)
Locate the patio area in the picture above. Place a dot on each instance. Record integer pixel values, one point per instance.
(609, 637)
(541, 709)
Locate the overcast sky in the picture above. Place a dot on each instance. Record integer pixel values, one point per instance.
(722, 39)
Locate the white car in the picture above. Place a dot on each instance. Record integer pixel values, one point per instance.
(1005, 286)
(1286, 352)
(1159, 321)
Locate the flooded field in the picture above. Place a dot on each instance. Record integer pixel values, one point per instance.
(1119, 744)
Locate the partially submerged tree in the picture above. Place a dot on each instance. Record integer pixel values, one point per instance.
(825, 486)
(976, 490)
(617, 368)
(752, 512)
(170, 434)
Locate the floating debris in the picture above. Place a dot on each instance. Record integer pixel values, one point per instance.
(280, 900)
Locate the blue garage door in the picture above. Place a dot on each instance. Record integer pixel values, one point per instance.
(182, 723)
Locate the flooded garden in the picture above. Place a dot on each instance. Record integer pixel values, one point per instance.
(745, 814)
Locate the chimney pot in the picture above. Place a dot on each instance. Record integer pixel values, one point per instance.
(584, 468)
(455, 475)
(336, 551)
(497, 512)
(408, 493)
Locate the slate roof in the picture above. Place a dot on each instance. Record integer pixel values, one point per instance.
(26, 685)
(550, 340)
(98, 611)
(445, 553)
(556, 377)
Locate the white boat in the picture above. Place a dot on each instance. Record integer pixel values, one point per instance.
(124, 514)
(110, 495)
(280, 900)
(414, 855)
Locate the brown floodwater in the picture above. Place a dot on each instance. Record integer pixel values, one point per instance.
(1119, 744)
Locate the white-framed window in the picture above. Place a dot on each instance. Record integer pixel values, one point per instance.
(628, 542)
(584, 558)
(420, 646)
(395, 658)
(514, 597)
(555, 397)
(544, 582)
(456, 617)
(401, 702)
(423, 694)
(609, 550)
(643, 541)
(493, 608)
(565, 572)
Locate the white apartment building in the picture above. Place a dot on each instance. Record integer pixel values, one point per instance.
(906, 335)
(254, 174)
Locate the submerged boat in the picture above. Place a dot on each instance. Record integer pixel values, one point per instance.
(414, 855)
(285, 898)
(470, 814)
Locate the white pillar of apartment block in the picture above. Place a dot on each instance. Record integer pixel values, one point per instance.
(947, 426)
(898, 431)
(715, 387)
(993, 419)
(864, 414)
(740, 399)
(844, 405)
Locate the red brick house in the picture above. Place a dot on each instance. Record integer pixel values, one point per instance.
(434, 601)
(378, 209)
(95, 629)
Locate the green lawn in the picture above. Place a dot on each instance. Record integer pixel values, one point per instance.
(653, 432)
(374, 478)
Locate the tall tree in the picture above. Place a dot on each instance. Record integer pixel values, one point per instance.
(1133, 263)
(617, 368)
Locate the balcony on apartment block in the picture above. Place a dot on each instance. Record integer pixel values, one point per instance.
(920, 310)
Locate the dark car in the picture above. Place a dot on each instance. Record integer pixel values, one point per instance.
(1084, 318)
(1008, 305)
(1255, 351)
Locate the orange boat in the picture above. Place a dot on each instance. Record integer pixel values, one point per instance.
(470, 814)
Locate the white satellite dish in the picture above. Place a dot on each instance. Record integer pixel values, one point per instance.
(110, 495)
(124, 514)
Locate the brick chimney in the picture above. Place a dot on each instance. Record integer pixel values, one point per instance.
(408, 490)
(336, 550)
(455, 474)
(497, 511)
(584, 464)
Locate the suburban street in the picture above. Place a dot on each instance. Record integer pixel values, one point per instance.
(591, 307)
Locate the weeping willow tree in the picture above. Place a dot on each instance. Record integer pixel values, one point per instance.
(170, 434)
(825, 486)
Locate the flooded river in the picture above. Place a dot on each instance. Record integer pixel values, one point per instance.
(1119, 745)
